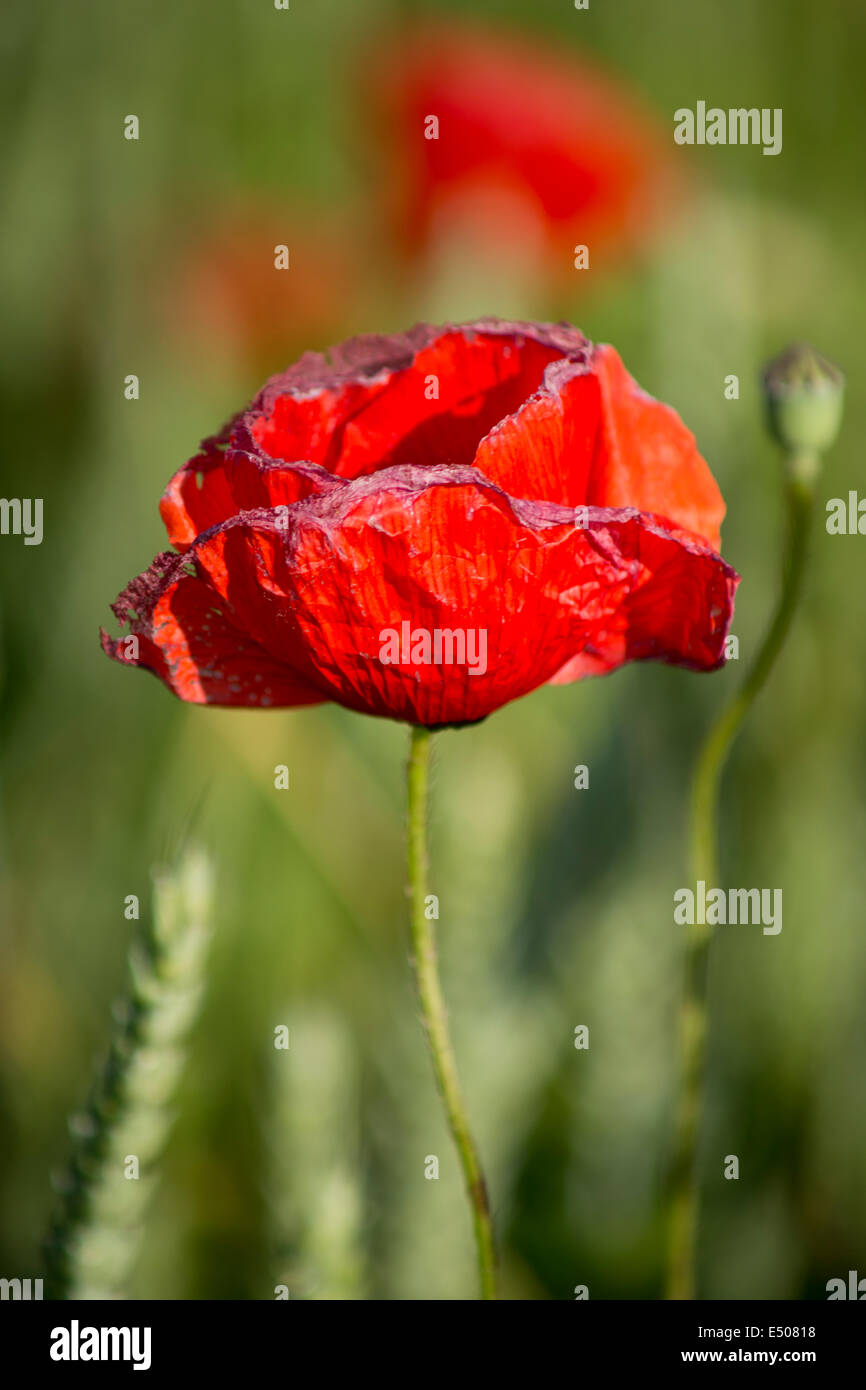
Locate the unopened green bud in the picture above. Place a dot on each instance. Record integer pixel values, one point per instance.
(804, 393)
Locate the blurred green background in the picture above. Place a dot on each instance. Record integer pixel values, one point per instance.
(556, 904)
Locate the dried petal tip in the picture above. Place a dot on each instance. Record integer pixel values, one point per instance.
(804, 393)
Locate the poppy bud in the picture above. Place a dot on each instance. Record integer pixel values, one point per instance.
(804, 393)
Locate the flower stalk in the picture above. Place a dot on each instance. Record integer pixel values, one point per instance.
(433, 1012)
(803, 394)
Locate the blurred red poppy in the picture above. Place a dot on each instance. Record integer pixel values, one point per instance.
(428, 525)
(501, 133)
(226, 294)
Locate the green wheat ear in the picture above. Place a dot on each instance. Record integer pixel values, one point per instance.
(94, 1238)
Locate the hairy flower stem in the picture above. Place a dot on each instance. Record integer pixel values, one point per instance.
(693, 1015)
(433, 1013)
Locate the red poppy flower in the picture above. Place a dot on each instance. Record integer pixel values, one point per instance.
(521, 133)
(429, 525)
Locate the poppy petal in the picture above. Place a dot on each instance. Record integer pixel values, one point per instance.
(427, 397)
(444, 551)
(198, 495)
(649, 459)
(591, 435)
(215, 486)
(181, 632)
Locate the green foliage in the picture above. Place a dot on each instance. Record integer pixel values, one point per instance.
(555, 903)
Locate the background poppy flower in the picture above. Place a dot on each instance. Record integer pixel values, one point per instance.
(525, 139)
(425, 527)
(433, 478)
(226, 296)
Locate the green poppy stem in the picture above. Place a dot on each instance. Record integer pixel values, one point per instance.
(693, 1016)
(433, 1012)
